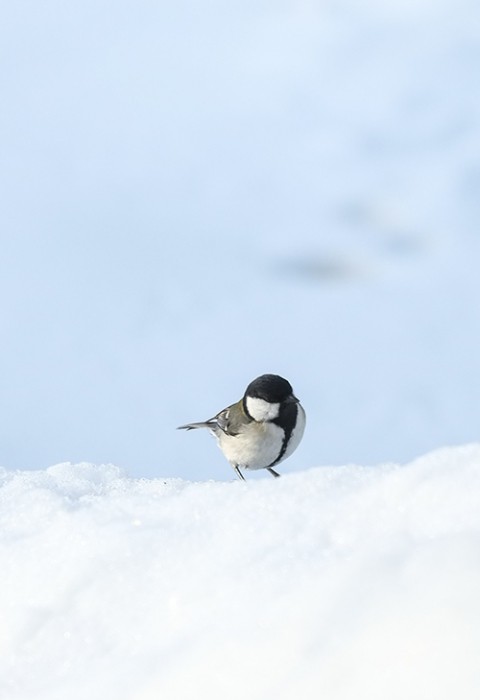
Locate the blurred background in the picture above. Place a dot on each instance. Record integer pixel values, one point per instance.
(195, 193)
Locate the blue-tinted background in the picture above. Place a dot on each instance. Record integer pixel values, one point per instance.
(196, 193)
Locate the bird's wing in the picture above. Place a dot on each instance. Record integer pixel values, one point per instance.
(224, 421)
(220, 421)
(229, 421)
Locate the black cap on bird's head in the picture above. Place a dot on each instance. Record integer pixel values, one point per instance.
(269, 387)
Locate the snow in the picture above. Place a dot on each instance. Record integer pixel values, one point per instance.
(338, 582)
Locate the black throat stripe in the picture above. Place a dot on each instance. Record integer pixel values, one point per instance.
(287, 420)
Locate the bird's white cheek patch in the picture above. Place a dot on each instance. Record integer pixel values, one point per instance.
(261, 410)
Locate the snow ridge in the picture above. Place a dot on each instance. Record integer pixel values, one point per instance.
(336, 582)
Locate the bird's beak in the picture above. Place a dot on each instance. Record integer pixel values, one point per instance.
(293, 399)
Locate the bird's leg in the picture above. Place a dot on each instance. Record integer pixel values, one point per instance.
(238, 472)
(273, 472)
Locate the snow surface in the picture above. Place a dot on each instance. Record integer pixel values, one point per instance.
(337, 582)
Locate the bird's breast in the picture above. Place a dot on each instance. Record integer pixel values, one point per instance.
(256, 447)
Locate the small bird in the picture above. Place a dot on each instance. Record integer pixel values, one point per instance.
(260, 430)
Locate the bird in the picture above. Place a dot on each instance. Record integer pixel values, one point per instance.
(261, 429)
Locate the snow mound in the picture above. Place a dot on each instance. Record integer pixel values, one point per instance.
(335, 583)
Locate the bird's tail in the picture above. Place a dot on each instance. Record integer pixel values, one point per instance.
(192, 426)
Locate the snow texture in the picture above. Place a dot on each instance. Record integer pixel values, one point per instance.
(337, 582)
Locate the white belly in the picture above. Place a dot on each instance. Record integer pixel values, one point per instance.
(259, 445)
